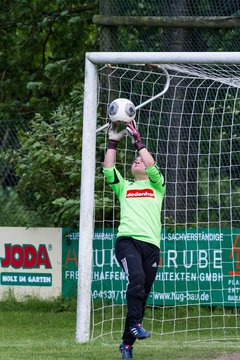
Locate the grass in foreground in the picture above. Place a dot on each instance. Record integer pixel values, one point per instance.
(46, 330)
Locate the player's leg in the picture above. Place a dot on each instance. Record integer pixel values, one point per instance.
(150, 267)
(129, 255)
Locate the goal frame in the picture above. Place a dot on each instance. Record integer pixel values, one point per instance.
(86, 223)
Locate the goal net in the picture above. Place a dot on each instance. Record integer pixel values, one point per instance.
(193, 132)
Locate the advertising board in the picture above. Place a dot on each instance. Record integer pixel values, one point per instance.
(195, 267)
(30, 260)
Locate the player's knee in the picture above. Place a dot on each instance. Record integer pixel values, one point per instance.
(136, 286)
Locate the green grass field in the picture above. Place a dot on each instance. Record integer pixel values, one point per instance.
(46, 330)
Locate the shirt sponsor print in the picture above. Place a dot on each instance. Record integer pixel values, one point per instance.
(140, 193)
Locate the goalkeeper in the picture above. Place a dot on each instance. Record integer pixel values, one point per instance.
(138, 238)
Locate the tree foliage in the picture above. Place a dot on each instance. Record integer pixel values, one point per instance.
(11, 206)
(42, 53)
(43, 45)
(48, 164)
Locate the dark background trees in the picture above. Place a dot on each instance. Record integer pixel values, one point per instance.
(42, 53)
(41, 70)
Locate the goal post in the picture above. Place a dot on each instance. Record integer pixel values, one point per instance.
(86, 223)
(193, 76)
(164, 57)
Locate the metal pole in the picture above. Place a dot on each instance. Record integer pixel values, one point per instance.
(164, 57)
(87, 204)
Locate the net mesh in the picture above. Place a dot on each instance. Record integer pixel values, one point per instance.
(193, 132)
(170, 39)
(182, 7)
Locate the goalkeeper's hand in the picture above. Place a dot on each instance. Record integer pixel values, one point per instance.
(136, 138)
(114, 136)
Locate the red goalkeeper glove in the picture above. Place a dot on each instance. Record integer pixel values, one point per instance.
(136, 138)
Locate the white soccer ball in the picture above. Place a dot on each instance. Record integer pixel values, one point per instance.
(121, 110)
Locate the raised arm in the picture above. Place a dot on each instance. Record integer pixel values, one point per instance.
(152, 169)
(113, 138)
(145, 155)
(109, 159)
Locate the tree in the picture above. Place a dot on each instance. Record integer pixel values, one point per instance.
(48, 164)
(42, 53)
(42, 56)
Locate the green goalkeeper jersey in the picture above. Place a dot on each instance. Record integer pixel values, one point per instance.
(141, 204)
